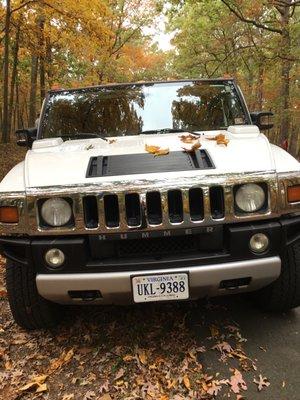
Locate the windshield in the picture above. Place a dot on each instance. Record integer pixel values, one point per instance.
(148, 108)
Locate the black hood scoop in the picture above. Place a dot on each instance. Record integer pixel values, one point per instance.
(145, 163)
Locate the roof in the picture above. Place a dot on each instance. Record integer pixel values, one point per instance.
(116, 85)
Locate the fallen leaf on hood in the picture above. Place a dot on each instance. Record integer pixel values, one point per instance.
(111, 141)
(37, 383)
(156, 150)
(192, 148)
(261, 383)
(186, 382)
(188, 139)
(220, 139)
(237, 382)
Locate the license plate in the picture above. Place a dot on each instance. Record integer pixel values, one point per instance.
(162, 287)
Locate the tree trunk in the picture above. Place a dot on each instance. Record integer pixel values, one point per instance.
(285, 73)
(5, 122)
(260, 87)
(13, 77)
(33, 86)
(48, 62)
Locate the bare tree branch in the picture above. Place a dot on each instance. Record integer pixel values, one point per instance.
(250, 21)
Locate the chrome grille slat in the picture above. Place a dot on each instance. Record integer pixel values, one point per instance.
(186, 206)
(122, 212)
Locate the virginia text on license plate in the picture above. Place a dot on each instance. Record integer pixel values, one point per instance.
(162, 287)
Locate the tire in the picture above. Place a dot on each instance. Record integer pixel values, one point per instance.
(283, 294)
(29, 309)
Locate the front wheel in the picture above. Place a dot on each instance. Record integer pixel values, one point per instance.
(29, 309)
(283, 294)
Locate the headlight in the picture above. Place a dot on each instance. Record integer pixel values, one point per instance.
(56, 212)
(250, 197)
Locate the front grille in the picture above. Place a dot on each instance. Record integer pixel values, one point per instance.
(157, 247)
(154, 208)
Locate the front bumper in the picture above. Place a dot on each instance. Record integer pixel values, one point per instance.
(216, 257)
(115, 288)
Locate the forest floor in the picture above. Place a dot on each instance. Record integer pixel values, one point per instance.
(221, 349)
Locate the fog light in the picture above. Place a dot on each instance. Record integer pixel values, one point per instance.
(259, 243)
(55, 258)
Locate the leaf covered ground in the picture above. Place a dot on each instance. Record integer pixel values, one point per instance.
(194, 350)
(143, 352)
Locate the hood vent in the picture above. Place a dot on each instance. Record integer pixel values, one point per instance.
(130, 164)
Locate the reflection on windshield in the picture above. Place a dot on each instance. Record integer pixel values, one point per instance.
(129, 110)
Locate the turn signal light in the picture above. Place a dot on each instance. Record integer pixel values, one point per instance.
(294, 194)
(9, 215)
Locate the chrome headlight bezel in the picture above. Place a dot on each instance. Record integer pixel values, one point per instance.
(257, 193)
(62, 212)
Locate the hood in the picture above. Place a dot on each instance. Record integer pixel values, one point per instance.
(53, 162)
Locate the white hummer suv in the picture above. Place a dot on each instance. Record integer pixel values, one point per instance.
(149, 192)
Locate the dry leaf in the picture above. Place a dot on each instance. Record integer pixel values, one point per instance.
(37, 383)
(119, 374)
(111, 141)
(237, 382)
(261, 383)
(220, 139)
(186, 382)
(59, 362)
(193, 148)
(223, 347)
(188, 139)
(68, 396)
(163, 152)
(105, 397)
(89, 395)
(128, 358)
(214, 331)
(42, 388)
(156, 150)
(214, 389)
(142, 356)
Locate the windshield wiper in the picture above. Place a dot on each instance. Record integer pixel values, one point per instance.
(168, 130)
(85, 135)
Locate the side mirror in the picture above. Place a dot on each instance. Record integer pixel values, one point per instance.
(25, 137)
(262, 119)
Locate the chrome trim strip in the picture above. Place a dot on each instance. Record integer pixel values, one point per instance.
(285, 180)
(17, 199)
(163, 185)
(115, 287)
(277, 185)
